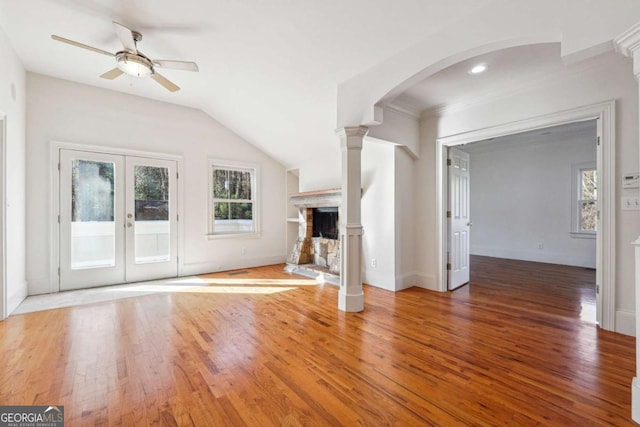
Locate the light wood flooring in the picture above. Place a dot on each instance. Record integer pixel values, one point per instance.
(259, 347)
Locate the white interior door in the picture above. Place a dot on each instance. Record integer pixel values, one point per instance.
(118, 219)
(459, 221)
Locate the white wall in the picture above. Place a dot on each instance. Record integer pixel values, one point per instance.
(609, 77)
(387, 182)
(521, 196)
(378, 214)
(406, 217)
(12, 80)
(69, 112)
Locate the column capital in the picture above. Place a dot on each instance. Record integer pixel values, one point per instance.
(352, 133)
(628, 44)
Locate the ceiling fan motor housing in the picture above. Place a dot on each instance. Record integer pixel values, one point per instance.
(134, 64)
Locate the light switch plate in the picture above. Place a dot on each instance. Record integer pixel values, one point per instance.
(631, 203)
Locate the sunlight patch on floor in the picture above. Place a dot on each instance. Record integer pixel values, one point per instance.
(204, 285)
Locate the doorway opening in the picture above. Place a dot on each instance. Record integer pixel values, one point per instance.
(603, 116)
(532, 197)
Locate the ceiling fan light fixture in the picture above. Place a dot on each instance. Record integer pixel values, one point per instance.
(135, 65)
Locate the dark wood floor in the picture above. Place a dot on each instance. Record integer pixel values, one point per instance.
(508, 349)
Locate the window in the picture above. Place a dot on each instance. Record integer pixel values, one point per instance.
(586, 200)
(232, 199)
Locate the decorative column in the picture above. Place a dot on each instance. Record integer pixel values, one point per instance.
(628, 43)
(350, 296)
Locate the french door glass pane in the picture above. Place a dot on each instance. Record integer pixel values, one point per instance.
(92, 214)
(151, 214)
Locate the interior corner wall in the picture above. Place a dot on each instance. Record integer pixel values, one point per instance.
(425, 191)
(522, 197)
(12, 105)
(378, 214)
(406, 218)
(63, 111)
(609, 77)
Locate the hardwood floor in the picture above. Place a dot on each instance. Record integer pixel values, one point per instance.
(260, 347)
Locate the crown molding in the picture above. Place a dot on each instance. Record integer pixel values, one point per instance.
(628, 44)
(405, 110)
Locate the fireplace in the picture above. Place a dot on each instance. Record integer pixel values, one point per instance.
(317, 247)
(325, 222)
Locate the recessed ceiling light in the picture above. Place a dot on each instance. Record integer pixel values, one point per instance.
(478, 69)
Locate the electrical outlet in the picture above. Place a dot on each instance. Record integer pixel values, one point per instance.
(540, 245)
(244, 251)
(374, 263)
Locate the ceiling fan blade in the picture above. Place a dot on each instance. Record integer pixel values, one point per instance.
(176, 65)
(165, 82)
(126, 37)
(84, 46)
(112, 74)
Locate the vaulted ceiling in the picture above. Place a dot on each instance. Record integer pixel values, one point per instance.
(269, 70)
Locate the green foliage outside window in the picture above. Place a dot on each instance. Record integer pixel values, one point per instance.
(588, 200)
(232, 196)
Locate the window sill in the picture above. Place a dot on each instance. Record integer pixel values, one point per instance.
(254, 235)
(583, 235)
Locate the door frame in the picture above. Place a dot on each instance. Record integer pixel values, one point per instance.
(4, 297)
(54, 200)
(604, 112)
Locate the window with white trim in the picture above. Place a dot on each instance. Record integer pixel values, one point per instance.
(232, 199)
(585, 200)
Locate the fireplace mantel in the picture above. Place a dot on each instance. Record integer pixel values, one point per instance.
(317, 199)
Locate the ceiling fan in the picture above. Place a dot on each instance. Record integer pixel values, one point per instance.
(132, 62)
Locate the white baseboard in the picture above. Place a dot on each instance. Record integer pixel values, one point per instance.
(379, 280)
(426, 281)
(537, 256)
(405, 281)
(626, 322)
(191, 269)
(635, 400)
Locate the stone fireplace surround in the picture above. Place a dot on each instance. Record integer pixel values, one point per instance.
(315, 257)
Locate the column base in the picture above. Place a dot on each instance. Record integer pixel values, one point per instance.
(635, 400)
(351, 303)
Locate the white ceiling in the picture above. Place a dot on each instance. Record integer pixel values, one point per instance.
(507, 70)
(268, 69)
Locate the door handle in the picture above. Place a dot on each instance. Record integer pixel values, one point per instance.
(469, 224)
(129, 225)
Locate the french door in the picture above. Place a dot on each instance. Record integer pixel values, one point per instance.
(118, 219)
